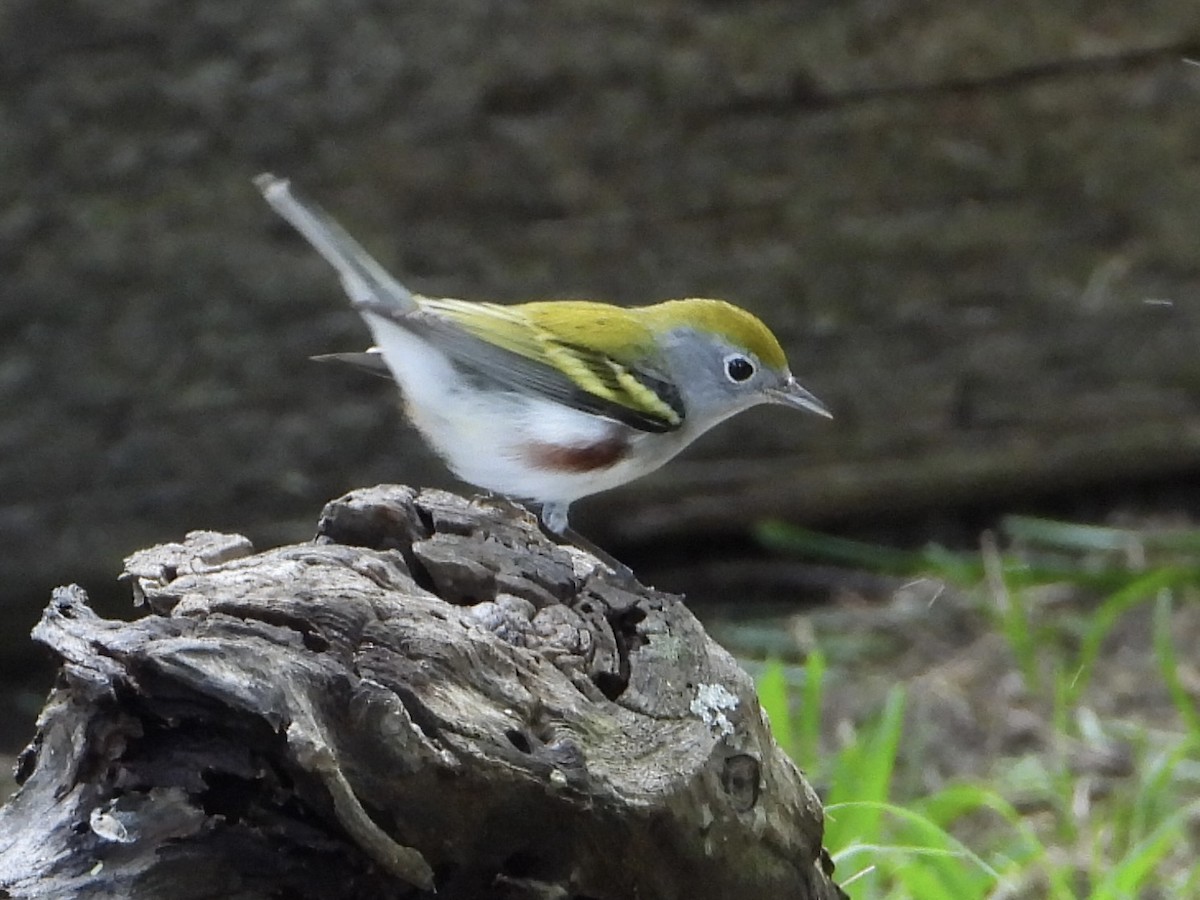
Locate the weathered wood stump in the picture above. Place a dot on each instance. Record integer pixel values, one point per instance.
(429, 698)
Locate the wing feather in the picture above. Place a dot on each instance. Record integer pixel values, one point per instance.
(499, 344)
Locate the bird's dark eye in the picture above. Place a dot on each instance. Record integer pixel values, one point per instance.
(738, 368)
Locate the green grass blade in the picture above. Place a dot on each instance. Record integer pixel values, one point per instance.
(1164, 651)
(1106, 617)
(773, 695)
(1093, 538)
(951, 848)
(1126, 876)
(808, 732)
(792, 539)
(863, 774)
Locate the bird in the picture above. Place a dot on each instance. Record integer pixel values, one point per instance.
(549, 401)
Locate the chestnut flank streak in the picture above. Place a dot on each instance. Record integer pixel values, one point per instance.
(579, 458)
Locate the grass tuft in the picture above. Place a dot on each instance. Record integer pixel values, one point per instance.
(1105, 805)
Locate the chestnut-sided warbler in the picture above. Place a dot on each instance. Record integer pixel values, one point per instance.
(555, 400)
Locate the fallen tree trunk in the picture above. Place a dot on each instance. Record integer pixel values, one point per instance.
(429, 698)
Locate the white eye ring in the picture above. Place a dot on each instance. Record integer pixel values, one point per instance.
(738, 368)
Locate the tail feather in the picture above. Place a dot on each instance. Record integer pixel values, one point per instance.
(368, 284)
(368, 360)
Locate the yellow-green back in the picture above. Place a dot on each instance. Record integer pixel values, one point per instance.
(619, 333)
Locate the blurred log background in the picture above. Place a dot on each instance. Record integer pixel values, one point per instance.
(974, 226)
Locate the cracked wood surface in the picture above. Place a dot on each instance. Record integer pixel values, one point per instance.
(430, 695)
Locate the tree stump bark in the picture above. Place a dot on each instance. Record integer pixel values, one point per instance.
(430, 698)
